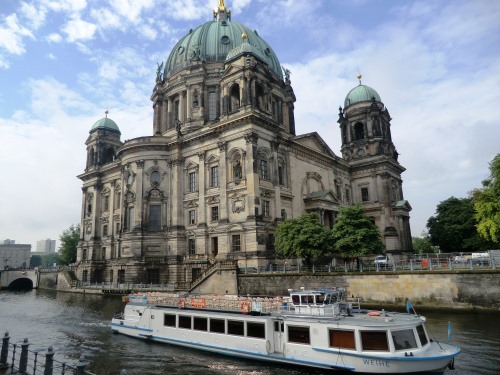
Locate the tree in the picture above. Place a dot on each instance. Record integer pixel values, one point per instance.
(453, 228)
(422, 245)
(303, 237)
(48, 260)
(487, 204)
(35, 261)
(355, 235)
(69, 241)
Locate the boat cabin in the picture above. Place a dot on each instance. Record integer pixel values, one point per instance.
(319, 302)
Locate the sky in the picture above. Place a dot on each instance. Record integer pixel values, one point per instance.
(435, 65)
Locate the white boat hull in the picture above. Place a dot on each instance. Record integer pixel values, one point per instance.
(434, 358)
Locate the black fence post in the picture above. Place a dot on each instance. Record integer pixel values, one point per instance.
(23, 361)
(49, 361)
(81, 365)
(5, 351)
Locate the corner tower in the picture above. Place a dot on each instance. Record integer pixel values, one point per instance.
(365, 127)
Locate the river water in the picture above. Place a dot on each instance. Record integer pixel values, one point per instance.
(78, 324)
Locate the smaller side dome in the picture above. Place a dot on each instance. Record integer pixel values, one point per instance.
(361, 93)
(106, 124)
(244, 49)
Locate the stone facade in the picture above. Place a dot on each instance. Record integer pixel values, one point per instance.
(224, 166)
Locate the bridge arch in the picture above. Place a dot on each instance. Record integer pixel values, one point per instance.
(22, 283)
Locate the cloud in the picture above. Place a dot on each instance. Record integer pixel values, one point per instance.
(53, 38)
(131, 9)
(67, 6)
(77, 29)
(35, 16)
(12, 34)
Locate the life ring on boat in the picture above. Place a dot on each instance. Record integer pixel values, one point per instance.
(245, 307)
(182, 303)
(373, 313)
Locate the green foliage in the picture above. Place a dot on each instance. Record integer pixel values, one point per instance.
(69, 241)
(303, 237)
(422, 245)
(48, 260)
(453, 228)
(487, 205)
(355, 235)
(35, 261)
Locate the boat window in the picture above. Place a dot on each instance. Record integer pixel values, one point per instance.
(217, 326)
(235, 327)
(169, 320)
(278, 326)
(342, 339)
(185, 321)
(200, 323)
(374, 340)
(256, 330)
(404, 339)
(296, 299)
(306, 299)
(299, 335)
(421, 335)
(320, 299)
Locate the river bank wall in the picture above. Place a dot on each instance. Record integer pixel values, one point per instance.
(444, 289)
(464, 289)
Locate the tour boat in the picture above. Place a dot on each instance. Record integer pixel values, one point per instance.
(318, 328)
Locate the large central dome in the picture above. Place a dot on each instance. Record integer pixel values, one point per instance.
(212, 41)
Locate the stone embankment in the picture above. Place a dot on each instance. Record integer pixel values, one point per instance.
(443, 289)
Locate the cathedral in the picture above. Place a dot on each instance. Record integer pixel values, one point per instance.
(224, 166)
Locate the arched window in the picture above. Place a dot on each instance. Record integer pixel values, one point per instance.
(234, 98)
(109, 155)
(91, 157)
(282, 172)
(359, 131)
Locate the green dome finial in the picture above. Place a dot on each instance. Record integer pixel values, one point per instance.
(105, 124)
(361, 93)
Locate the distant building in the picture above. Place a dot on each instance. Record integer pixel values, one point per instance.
(46, 246)
(14, 255)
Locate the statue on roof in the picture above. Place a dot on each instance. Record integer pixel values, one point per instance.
(287, 73)
(159, 74)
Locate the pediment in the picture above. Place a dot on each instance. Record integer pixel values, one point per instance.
(314, 142)
(322, 195)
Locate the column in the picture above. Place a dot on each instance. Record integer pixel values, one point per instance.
(138, 209)
(164, 116)
(251, 171)
(202, 208)
(223, 165)
(189, 103)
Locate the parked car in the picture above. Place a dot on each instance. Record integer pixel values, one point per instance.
(461, 259)
(481, 261)
(382, 261)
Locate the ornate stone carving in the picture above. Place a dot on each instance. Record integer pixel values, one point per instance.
(251, 137)
(222, 145)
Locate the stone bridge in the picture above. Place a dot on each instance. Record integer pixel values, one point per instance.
(18, 279)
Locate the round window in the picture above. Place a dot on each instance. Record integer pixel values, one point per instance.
(180, 50)
(225, 39)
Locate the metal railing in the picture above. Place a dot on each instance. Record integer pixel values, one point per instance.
(20, 359)
(430, 263)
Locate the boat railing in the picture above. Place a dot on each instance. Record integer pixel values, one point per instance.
(246, 305)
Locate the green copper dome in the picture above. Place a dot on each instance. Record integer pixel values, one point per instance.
(212, 42)
(244, 49)
(361, 93)
(106, 124)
